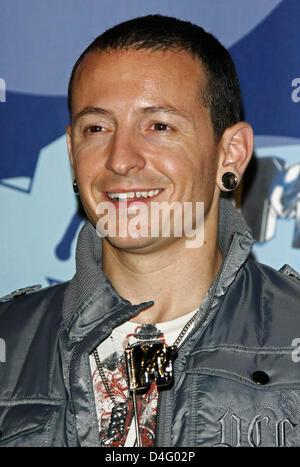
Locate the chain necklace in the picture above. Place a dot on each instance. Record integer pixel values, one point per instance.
(149, 357)
(119, 410)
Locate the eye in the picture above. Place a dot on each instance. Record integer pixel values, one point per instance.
(95, 129)
(160, 127)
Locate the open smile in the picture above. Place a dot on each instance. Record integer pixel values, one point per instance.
(129, 196)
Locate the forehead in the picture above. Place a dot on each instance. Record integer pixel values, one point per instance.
(131, 74)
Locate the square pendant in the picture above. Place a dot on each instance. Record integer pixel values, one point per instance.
(150, 361)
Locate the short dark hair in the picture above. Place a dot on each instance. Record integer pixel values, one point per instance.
(156, 32)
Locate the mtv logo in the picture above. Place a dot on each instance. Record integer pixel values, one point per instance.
(271, 204)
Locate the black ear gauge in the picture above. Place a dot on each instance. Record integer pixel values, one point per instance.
(229, 180)
(75, 186)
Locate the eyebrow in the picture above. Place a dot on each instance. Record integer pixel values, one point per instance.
(143, 110)
(91, 111)
(166, 109)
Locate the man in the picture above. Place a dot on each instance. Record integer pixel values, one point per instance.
(155, 341)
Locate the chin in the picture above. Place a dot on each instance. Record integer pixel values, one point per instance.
(134, 244)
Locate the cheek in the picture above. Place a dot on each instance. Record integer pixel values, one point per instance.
(198, 173)
(172, 160)
(87, 164)
(185, 165)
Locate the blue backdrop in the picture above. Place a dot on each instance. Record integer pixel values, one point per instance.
(40, 41)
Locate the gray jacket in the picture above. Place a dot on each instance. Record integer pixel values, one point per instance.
(237, 376)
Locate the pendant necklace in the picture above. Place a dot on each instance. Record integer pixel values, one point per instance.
(119, 410)
(145, 362)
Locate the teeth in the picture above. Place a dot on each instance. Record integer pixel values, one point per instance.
(132, 194)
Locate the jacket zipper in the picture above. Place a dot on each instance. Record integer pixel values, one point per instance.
(74, 353)
(157, 416)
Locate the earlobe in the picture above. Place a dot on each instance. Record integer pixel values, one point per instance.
(236, 148)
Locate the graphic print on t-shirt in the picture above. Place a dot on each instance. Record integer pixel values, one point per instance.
(115, 371)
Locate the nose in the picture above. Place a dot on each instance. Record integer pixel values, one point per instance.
(124, 156)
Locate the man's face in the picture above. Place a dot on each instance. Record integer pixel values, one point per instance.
(139, 128)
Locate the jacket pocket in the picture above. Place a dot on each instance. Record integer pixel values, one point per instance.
(27, 423)
(241, 396)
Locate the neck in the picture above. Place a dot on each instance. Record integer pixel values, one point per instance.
(176, 278)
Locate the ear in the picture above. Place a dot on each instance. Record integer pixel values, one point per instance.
(236, 148)
(69, 146)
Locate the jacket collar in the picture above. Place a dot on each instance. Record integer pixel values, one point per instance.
(89, 279)
(231, 221)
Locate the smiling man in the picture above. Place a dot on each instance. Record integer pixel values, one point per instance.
(155, 341)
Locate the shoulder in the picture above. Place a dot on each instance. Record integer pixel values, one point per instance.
(272, 290)
(30, 324)
(261, 307)
(30, 301)
(269, 301)
(284, 280)
(18, 292)
(259, 292)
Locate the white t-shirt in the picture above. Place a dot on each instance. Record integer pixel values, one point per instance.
(111, 354)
